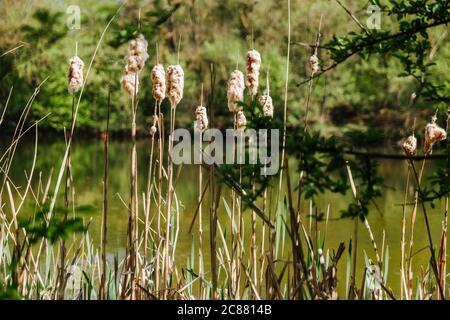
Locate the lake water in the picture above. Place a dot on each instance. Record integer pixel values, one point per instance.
(87, 162)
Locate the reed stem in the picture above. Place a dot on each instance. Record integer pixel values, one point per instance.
(167, 260)
(402, 242)
(62, 275)
(200, 219)
(104, 239)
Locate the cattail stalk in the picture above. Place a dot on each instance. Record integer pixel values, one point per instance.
(167, 260)
(147, 208)
(241, 123)
(214, 200)
(411, 232)
(174, 91)
(132, 225)
(433, 261)
(253, 245)
(137, 49)
(402, 241)
(410, 149)
(200, 219)
(160, 123)
(62, 276)
(233, 275)
(159, 93)
(103, 288)
(75, 82)
(235, 94)
(443, 242)
(272, 282)
(433, 134)
(314, 64)
(267, 104)
(366, 224)
(201, 124)
(447, 200)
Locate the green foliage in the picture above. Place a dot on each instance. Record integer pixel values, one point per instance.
(122, 33)
(324, 164)
(319, 167)
(49, 28)
(9, 293)
(410, 44)
(56, 229)
(439, 182)
(249, 175)
(218, 34)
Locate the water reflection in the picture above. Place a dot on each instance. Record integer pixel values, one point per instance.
(87, 162)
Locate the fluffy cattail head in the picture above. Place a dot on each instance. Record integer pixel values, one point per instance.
(253, 66)
(410, 146)
(130, 82)
(152, 130)
(159, 82)
(235, 90)
(75, 78)
(266, 102)
(433, 134)
(241, 121)
(138, 46)
(137, 49)
(201, 118)
(314, 64)
(174, 84)
(135, 63)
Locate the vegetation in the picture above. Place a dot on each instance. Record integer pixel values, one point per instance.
(333, 95)
(216, 33)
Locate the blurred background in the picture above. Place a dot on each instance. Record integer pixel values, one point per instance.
(215, 36)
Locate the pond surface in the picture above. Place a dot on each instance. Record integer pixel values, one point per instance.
(87, 162)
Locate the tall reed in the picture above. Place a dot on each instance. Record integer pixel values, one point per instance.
(235, 94)
(75, 82)
(137, 50)
(159, 93)
(103, 292)
(201, 124)
(433, 134)
(174, 91)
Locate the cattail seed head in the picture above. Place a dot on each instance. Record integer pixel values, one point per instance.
(75, 78)
(314, 64)
(137, 49)
(159, 82)
(235, 90)
(266, 102)
(201, 118)
(253, 66)
(129, 81)
(433, 134)
(174, 84)
(241, 121)
(410, 146)
(135, 63)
